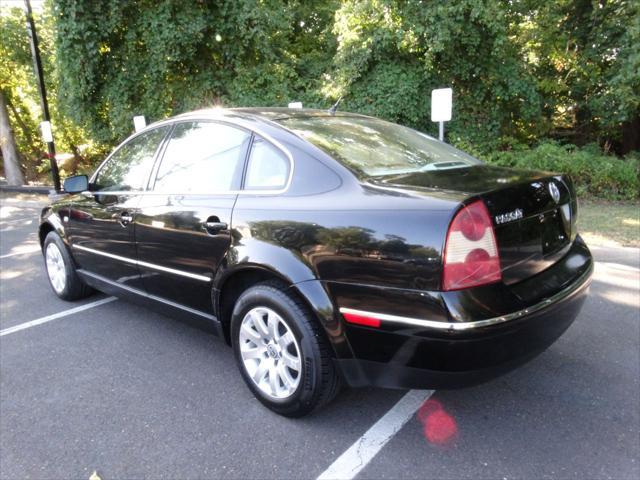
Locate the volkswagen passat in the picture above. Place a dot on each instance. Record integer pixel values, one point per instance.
(326, 248)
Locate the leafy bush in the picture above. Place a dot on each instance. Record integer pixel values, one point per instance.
(593, 172)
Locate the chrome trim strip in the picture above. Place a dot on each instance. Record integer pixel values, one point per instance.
(148, 295)
(135, 193)
(153, 266)
(459, 326)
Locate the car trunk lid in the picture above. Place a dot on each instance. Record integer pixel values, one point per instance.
(533, 213)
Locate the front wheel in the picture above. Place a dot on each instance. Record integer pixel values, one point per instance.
(61, 271)
(281, 351)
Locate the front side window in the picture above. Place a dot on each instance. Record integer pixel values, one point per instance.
(202, 157)
(268, 167)
(129, 167)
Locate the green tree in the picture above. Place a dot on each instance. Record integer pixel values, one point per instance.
(17, 86)
(392, 53)
(119, 59)
(18, 83)
(585, 55)
(521, 71)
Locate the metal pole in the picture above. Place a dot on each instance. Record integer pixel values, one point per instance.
(441, 131)
(37, 67)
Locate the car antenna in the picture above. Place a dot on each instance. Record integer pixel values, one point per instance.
(334, 108)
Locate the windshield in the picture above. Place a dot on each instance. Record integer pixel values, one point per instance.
(375, 147)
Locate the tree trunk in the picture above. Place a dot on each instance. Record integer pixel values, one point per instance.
(23, 126)
(10, 157)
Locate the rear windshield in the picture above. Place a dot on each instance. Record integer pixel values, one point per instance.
(375, 147)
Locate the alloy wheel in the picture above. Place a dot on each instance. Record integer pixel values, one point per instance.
(55, 267)
(270, 353)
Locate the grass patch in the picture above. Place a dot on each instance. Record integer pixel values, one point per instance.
(609, 223)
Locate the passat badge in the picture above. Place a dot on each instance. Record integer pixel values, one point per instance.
(509, 217)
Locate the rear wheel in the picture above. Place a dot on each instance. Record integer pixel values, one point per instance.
(282, 354)
(61, 271)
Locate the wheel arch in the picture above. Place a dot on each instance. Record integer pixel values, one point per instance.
(50, 223)
(316, 298)
(228, 288)
(43, 231)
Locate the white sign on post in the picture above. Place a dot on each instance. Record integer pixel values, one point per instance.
(441, 106)
(139, 122)
(47, 134)
(295, 105)
(441, 102)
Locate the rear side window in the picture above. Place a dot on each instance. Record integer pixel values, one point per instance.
(202, 157)
(129, 167)
(268, 167)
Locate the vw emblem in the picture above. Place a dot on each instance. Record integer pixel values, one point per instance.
(554, 191)
(273, 351)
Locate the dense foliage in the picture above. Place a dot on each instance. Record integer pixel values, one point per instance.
(523, 72)
(163, 57)
(585, 56)
(594, 173)
(392, 54)
(520, 70)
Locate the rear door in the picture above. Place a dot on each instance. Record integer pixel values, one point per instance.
(101, 221)
(183, 224)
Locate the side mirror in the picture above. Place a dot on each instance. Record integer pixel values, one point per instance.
(76, 184)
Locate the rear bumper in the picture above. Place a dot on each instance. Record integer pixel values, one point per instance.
(458, 351)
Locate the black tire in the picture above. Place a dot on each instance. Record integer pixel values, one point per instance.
(319, 381)
(74, 288)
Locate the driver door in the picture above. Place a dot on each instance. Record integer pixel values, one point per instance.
(102, 220)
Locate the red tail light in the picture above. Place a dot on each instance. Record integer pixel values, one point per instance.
(471, 254)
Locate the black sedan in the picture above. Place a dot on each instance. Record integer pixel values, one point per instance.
(326, 248)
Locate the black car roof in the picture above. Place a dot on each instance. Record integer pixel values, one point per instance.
(273, 114)
(281, 113)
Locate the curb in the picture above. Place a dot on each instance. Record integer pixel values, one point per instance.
(44, 190)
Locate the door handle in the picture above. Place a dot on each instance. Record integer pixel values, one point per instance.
(213, 225)
(125, 219)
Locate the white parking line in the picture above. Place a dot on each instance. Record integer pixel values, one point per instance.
(17, 221)
(22, 251)
(358, 455)
(55, 316)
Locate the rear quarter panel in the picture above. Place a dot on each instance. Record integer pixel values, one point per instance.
(353, 234)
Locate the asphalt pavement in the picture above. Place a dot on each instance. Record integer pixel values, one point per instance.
(130, 393)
